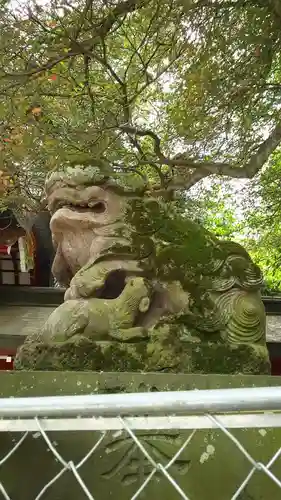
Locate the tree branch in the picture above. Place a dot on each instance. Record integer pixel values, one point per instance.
(204, 169)
(263, 152)
(160, 72)
(121, 9)
(99, 33)
(47, 66)
(146, 133)
(87, 83)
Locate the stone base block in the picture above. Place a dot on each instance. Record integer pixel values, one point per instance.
(168, 355)
(210, 468)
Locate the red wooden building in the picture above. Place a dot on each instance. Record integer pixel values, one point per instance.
(25, 267)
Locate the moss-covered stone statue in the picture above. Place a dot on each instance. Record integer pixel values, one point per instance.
(147, 289)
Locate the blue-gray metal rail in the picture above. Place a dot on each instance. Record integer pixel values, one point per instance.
(192, 402)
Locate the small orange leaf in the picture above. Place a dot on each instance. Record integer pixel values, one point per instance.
(53, 77)
(36, 111)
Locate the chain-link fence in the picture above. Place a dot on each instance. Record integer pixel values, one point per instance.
(131, 415)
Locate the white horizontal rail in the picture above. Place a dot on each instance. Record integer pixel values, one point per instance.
(246, 421)
(178, 402)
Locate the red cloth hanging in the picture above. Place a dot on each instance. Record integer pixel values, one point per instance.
(4, 249)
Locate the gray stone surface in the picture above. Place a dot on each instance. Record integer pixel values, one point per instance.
(22, 320)
(273, 328)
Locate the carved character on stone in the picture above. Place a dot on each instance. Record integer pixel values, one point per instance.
(133, 467)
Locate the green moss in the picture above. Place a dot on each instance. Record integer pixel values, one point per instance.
(224, 358)
(165, 353)
(78, 354)
(123, 358)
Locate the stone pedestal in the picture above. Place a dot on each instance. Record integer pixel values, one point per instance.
(166, 355)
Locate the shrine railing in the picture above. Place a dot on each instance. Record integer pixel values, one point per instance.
(131, 414)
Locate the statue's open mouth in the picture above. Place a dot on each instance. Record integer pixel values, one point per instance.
(96, 206)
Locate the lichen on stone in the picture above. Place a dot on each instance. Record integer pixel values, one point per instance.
(200, 308)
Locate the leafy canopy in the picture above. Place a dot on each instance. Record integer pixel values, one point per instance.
(178, 89)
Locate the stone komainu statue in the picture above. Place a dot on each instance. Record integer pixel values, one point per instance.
(146, 288)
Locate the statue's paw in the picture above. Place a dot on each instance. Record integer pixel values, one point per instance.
(134, 334)
(82, 289)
